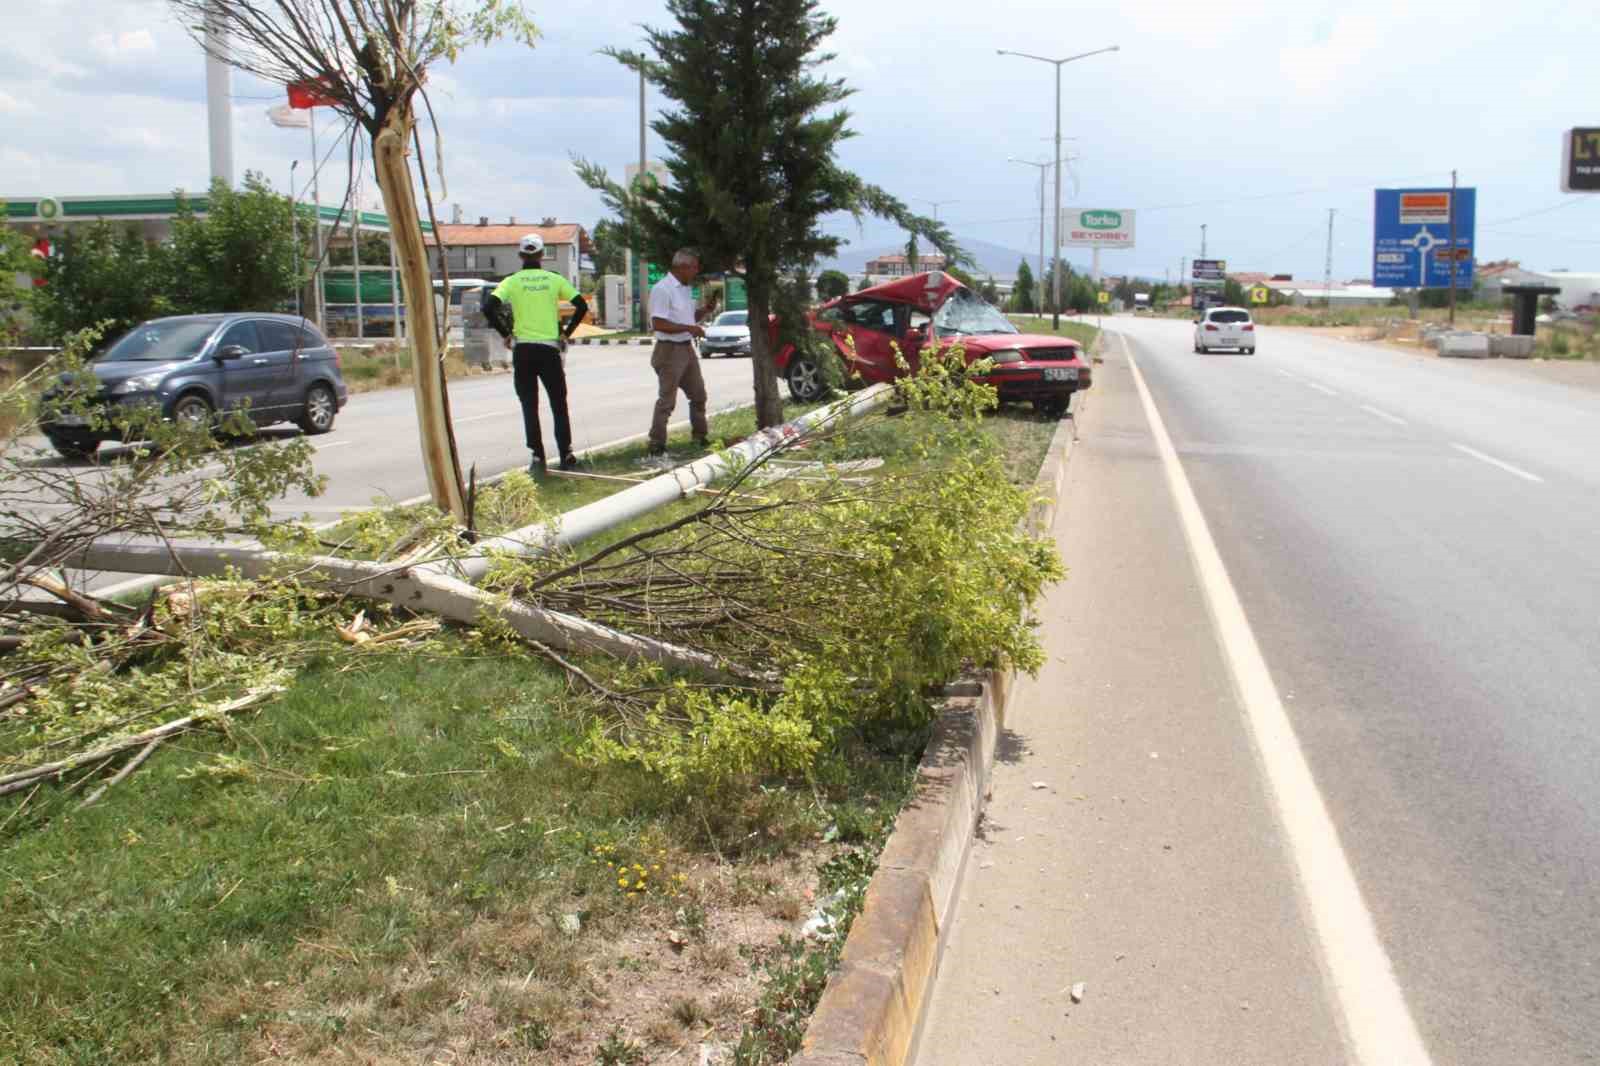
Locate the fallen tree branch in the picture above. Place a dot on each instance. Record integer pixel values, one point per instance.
(416, 589)
(16, 782)
(133, 764)
(95, 610)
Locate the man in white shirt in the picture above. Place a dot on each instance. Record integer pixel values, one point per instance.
(676, 322)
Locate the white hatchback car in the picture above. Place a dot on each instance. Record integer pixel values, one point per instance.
(1225, 327)
(728, 335)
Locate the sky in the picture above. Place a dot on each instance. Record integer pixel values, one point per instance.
(1250, 119)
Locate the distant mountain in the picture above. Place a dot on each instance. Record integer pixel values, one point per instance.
(992, 258)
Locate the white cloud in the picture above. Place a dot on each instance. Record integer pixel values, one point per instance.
(10, 105)
(120, 47)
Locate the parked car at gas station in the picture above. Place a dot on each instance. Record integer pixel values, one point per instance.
(909, 314)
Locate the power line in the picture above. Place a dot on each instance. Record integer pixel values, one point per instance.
(1570, 201)
(1221, 201)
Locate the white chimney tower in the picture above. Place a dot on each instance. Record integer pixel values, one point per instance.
(219, 101)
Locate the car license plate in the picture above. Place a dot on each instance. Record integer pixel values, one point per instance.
(1061, 373)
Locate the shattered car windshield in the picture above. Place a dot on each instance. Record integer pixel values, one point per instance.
(965, 312)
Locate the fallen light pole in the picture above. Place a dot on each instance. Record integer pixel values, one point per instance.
(445, 587)
(581, 523)
(413, 587)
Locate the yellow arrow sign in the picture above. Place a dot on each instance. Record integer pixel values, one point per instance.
(1105, 297)
(1260, 294)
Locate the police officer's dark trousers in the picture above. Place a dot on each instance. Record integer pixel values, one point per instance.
(532, 364)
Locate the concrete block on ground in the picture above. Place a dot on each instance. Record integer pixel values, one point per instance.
(1511, 346)
(1462, 345)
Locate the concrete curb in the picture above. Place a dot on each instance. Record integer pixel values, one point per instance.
(608, 340)
(872, 1011)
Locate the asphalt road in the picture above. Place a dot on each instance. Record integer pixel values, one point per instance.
(372, 455)
(1412, 541)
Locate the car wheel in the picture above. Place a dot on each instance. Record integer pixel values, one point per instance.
(805, 380)
(74, 447)
(319, 410)
(1249, 351)
(192, 410)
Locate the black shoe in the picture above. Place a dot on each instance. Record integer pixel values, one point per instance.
(536, 465)
(656, 449)
(569, 462)
(702, 442)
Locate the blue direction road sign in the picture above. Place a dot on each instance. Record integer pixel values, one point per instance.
(1411, 238)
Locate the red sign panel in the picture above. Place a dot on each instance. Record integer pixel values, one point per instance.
(307, 94)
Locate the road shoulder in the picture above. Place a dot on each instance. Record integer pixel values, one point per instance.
(1129, 845)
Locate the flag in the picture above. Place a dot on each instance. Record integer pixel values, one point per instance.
(306, 94)
(288, 117)
(42, 249)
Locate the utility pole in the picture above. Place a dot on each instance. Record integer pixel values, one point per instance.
(1454, 261)
(644, 268)
(1202, 240)
(1038, 284)
(294, 234)
(1327, 267)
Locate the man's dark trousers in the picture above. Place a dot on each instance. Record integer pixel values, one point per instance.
(530, 365)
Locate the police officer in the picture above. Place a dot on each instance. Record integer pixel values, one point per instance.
(527, 304)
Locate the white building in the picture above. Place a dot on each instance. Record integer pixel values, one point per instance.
(1577, 290)
(1310, 294)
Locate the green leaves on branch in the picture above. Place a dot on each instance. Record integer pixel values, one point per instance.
(864, 599)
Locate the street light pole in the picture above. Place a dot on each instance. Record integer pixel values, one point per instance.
(644, 268)
(1055, 262)
(294, 233)
(1038, 282)
(936, 205)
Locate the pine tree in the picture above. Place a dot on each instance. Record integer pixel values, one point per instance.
(1022, 292)
(751, 133)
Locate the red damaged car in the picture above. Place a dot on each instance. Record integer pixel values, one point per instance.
(934, 308)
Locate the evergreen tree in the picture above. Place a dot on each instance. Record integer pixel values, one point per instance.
(1022, 294)
(751, 134)
(610, 239)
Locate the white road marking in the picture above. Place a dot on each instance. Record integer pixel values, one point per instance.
(1286, 374)
(1377, 1020)
(1492, 461)
(333, 444)
(1385, 415)
(480, 418)
(1321, 388)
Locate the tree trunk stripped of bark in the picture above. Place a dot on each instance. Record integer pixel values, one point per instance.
(763, 367)
(412, 587)
(439, 459)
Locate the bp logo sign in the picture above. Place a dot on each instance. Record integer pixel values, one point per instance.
(1097, 228)
(48, 209)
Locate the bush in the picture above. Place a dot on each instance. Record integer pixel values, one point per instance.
(860, 602)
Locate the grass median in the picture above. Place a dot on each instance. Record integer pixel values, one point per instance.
(399, 858)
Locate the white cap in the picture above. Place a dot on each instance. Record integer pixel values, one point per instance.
(531, 244)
